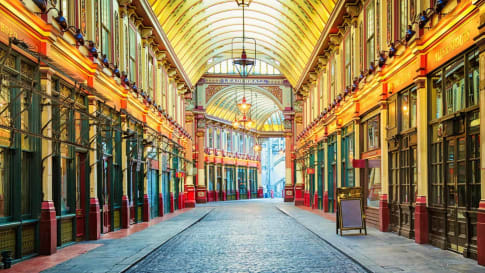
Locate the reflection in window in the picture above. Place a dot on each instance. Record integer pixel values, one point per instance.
(436, 95)
(25, 185)
(473, 78)
(372, 129)
(373, 187)
(455, 87)
(370, 44)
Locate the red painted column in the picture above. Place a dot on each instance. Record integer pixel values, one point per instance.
(260, 192)
(383, 213)
(94, 219)
(289, 193)
(481, 233)
(315, 200)
(146, 208)
(299, 198)
(160, 204)
(172, 204)
(125, 212)
(237, 195)
(48, 229)
(325, 201)
(421, 231)
(190, 201)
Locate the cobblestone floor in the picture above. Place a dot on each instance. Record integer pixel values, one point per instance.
(252, 236)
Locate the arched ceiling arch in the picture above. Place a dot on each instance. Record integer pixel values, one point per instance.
(266, 110)
(286, 31)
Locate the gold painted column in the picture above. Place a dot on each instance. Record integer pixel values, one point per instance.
(146, 200)
(315, 178)
(189, 174)
(299, 186)
(383, 203)
(357, 137)
(480, 41)
(125, 202)
(47, 221)
(94, 212)
(339, 157)
(325, 175)
(421, 212)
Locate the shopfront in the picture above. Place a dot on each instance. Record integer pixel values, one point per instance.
(230, 182)
(242, 181)
(371, 154)
(348, 155)
(332, 171)
(152, 181)
(135, 170)
(321, 173)
(454, 175)
(253, 182)
(402, 117)
(20, 157)
(165, 183)
(211, 182)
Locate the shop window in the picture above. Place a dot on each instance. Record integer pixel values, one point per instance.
(403, 18)
(408, 101)
(218, 138)
(391, 113)
(132, 54)
(373, 186)
(5, 184)
(229, 141)
(241, 144)
(150, 77)
(117, 34)
(348, 60)
(475, 186)
(25, 204)
(372, 138)
(454, 87)
(106, 28)
(348, 156)
(210, 137)
(436, 171)
(473, 78)
(67, 7)
(332, 80)
(370, 33)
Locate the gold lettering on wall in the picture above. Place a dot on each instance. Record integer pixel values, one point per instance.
(7, 30)
(453, 44)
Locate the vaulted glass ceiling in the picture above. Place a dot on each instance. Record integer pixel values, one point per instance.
(265, 109)
(286, 31)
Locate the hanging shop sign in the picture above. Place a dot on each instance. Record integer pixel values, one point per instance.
(310, 171)
(179, 174)
(350, 210)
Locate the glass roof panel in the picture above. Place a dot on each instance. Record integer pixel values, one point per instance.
(286, 31)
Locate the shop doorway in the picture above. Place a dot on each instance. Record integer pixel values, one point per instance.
(153, 192)
(106, 195)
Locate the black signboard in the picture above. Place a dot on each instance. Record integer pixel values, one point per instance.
(350, 210)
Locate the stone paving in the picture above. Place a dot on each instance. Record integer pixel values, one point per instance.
(262, 235)
(384, 251)
(116, 255)
(246, 236)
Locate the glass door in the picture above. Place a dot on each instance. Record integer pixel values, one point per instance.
(105, 194)
(455, 192)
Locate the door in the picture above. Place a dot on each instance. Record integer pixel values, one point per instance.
(106, 195)
(455, 193)
(80, 194)
(153, 193)
(166, 192)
